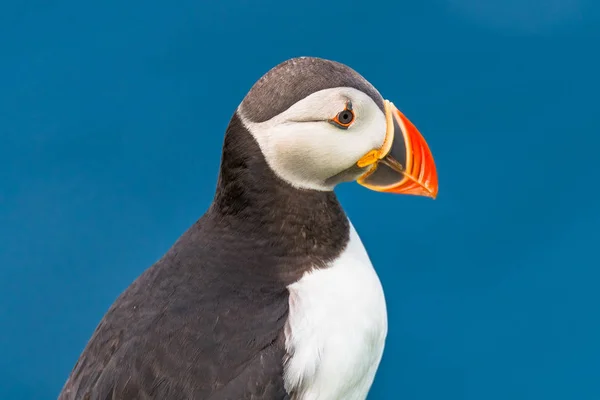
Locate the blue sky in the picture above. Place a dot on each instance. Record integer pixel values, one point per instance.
(111, 121)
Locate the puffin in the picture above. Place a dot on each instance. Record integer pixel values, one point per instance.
(270, 294)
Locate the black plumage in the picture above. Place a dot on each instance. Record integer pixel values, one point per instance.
(207, 320)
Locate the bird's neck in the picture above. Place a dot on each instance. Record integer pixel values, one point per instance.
(252, 198)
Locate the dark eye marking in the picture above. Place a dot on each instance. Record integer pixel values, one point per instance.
(344, 118)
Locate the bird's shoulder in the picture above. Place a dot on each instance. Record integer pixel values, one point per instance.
(188, 328)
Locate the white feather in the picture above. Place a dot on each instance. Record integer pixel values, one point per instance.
(337, 323)
(302, 148)
(336, 328)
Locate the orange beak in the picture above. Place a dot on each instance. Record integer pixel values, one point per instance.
(404, 164)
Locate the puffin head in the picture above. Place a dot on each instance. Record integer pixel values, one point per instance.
(319, 123)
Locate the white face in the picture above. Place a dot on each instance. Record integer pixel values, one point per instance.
(305, 149)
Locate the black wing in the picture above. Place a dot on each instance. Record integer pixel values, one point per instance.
(188, 328)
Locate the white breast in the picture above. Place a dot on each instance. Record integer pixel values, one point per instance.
(336, 328)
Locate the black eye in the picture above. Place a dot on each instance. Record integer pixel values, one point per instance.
(344, 118)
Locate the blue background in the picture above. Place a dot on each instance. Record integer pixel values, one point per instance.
(111, 121)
